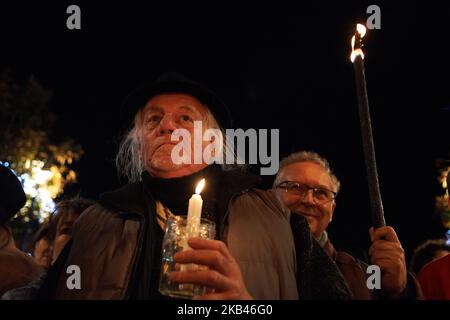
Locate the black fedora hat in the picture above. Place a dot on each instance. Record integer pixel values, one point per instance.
(173, 82)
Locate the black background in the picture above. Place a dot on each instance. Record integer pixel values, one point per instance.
(276, 65)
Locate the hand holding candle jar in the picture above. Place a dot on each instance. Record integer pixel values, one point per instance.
(178, 230)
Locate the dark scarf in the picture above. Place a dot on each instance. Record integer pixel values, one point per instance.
(318, 277)
(175, 193)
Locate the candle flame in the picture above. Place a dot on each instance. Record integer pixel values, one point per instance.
(357, 41)
(200, 186)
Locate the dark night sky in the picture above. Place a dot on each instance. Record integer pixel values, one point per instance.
(276, 66)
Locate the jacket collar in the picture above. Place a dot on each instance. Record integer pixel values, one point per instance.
(233, 182)
(127, 199)
(330, 250)
(131, 197)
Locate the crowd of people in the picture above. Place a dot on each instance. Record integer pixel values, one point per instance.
(270, 244)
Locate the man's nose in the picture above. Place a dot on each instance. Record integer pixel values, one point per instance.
(167, 124)
(308, 198)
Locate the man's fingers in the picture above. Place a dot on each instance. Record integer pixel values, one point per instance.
(381, 256)
(209, 278)
(213, 296)
(199, 243)
(213, 259)
(388, 264)
(386, 233)
(219, 296)
(383, 245)
(371, 233)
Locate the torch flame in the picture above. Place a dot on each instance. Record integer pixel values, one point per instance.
(200, 186)
(355, 53)
(356, 40)
(361, 30)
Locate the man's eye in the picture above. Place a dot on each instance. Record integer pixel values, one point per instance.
(152, 120)
(291, 187)
(296, 187)
(322, 194)
(186, 118)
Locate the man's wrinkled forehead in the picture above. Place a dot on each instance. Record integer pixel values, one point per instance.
(158, 108)
(306, 170)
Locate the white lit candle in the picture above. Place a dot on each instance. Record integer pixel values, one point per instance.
(193, 224)
(195, 212)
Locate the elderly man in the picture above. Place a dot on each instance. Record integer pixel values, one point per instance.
(306, 185)
(117, 243)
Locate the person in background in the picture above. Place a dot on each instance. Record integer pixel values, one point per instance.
(308, 187)
(435, 276)
(428, 251)
(58, 232)
(62, 221)
(16, 267)
(43, 246)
